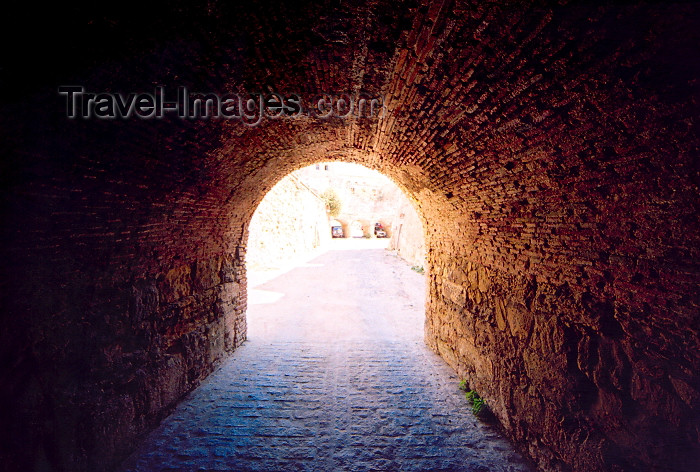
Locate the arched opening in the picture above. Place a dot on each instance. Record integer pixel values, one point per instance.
(549, 146)
(335, 373)
(300, 219)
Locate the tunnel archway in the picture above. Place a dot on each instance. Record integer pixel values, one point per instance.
(551, 149)
(421, 199)
(283, 234)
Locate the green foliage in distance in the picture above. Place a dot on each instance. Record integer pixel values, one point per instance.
(332, 201)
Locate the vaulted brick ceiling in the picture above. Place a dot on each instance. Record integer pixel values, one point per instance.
(551, 150)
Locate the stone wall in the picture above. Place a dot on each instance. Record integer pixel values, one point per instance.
(289, 223)
(408, 235)
(97, 383)
(552, 148)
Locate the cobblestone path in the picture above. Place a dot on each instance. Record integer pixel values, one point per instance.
(334, 377)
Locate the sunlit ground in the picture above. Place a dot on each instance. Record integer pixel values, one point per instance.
(257, 277)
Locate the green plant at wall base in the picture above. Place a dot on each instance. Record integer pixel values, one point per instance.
(418, 269)
(478, 403)
(479, 407)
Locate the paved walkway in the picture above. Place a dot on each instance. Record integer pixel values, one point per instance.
(334, 377)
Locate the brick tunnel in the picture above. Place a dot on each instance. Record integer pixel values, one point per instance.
(551, 149)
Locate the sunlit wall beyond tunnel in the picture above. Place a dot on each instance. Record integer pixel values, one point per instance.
(288, 224)
(330, 201)
(549, 148)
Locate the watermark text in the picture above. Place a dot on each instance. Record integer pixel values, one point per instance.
(249, 108)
